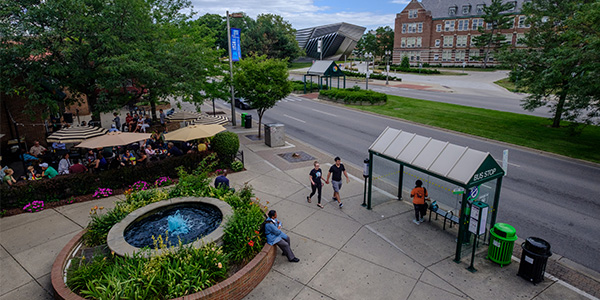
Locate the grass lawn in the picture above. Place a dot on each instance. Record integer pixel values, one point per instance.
(299, 65)
(529, 131)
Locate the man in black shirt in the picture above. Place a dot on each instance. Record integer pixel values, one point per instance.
(336, 181)
(173, 150)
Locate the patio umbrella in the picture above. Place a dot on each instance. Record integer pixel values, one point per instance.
(76, 134)
(182, 116)
(207, 120)
(194, 132)
(116, 138)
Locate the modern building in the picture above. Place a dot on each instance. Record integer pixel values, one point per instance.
(337, 40)
(442, 31)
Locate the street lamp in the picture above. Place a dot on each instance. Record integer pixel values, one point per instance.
(368, 56)
(387, 66)
(234, 15)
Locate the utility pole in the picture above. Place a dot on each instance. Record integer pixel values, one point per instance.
(231, 71)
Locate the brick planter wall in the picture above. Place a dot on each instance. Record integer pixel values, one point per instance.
(235, 287)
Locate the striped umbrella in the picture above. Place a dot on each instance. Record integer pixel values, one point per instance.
(182, 116)
(75, 134)
(116, 138)
(207, 120)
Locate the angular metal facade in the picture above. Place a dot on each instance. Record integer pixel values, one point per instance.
(337, 40)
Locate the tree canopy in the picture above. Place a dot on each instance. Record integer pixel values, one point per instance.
(496, 18)
(263, 82)
(376, 42)
(560, 67)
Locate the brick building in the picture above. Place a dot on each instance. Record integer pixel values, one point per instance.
(442, 31)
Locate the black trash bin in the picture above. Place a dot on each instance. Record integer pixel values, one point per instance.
(248, 121)
(533, 259)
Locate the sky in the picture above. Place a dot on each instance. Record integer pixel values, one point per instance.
(308, 13)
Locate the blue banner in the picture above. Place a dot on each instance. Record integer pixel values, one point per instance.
(236, 50)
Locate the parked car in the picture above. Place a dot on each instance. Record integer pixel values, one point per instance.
(242, 103)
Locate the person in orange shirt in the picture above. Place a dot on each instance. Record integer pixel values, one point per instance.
(419, 195)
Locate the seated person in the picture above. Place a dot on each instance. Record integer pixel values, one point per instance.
(173, 150)
(90, 157)
(59, 146)
(127, 158)
(139, 124)
(48, 171)
(32, 174)
(141, 154)
(151, 154)
(28, 158)
(222, 182)
(276, 237)
(8, 177)
(77, 167)
(128, 122)
(64, 164)
(37, 150)
(113, 128)
(100, 163)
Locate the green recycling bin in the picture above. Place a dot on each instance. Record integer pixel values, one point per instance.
(502, 242)
(243, 119)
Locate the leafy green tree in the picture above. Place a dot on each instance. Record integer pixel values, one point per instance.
(385, 40)
(272, 36)
(366, 44)
(495, 16)
(263, 82)
(560, 66)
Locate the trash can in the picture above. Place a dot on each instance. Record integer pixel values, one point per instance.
(248, 121)
(274, 135)
(243, 119)
(533, 259)
(502, 242)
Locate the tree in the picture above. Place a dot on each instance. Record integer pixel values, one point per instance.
(263, 82)
(366, 44)
(272, 36)
(496, 19)
(385, 40)
(560, 66)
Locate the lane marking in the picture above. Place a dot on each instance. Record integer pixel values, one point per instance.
(326, 113)
(302, 121)
(518, 166)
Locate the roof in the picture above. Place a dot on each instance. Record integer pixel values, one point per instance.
(354, 32)
(462, 165)
(440, 8)
(325, 68)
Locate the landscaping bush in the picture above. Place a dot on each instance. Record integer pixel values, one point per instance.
(65, 186)
(237, 166)
(354, 95)
(401, 68)
(298, 86)
(226, 144)
(371, 76)
(405, 64)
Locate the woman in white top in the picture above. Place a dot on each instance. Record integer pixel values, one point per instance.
(64, 164)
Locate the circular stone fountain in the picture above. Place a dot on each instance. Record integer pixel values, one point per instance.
(189, 219)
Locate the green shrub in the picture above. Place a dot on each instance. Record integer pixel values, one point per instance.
(237, 166)
(298, 85)
(226, 144)
(372, 76)
(408, 69)
(352, 95)
(241, 239)
(405, 63)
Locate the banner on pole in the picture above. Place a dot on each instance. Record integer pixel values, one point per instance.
(236, 51)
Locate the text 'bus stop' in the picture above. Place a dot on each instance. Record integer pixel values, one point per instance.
(397, 158)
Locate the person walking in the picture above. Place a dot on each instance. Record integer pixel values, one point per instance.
(162, 116)
(336, 181)
(316, 176)
(419, 195)
(276, 237)
(117, 120)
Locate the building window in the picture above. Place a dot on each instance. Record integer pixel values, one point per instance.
(419, 42)
(437, 43)
(448, 41)
(410, 42)
(520, 39)
(473, 41)
(489, 26)
(452, 10)
(412, 13)
(480, 9)
(460, 55)
(438, 27)
(447, 55)
(403, 43)
(513, 5)
(477, 23)
(436, 57)
(404, 28)
(449, 25)
(466, 9)
(523, 22)
(461, 41)
(419, 27)
(463, 25)
(508, 38)
(490, 56)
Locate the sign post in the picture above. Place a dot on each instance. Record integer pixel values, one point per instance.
(477, 226)
(231, 71)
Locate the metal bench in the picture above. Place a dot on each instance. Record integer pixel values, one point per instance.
(448, 216)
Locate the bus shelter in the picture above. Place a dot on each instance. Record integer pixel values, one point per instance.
(324, 69)
(453, 175)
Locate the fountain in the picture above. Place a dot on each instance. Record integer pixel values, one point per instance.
(189, 220)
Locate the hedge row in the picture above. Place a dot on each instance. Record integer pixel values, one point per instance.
(413, 70)
(65, 186)
(354, 95)
(372, 76)
(298, 85)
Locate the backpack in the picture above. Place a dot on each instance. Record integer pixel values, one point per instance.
(263, 234)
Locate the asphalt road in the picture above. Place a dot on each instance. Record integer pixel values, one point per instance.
(543, 195)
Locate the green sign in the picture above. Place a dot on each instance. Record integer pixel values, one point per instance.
(489, 168)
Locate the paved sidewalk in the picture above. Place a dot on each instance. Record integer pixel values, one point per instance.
(348, 253)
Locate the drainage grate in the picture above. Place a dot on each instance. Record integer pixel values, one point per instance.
(296, 156)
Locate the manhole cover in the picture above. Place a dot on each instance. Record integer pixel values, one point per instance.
(296, 156)
(253, 137)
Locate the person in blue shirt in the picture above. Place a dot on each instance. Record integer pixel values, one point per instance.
(221, 182)
(276, 236)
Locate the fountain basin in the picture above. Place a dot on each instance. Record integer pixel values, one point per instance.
(116, 236)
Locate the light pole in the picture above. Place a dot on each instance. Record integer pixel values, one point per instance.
(231, 71)
(387, 66)
(367, 59)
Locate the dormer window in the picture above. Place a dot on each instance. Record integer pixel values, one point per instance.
(466, 9)
(480, 9)
(452, 10)
(412, 14)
